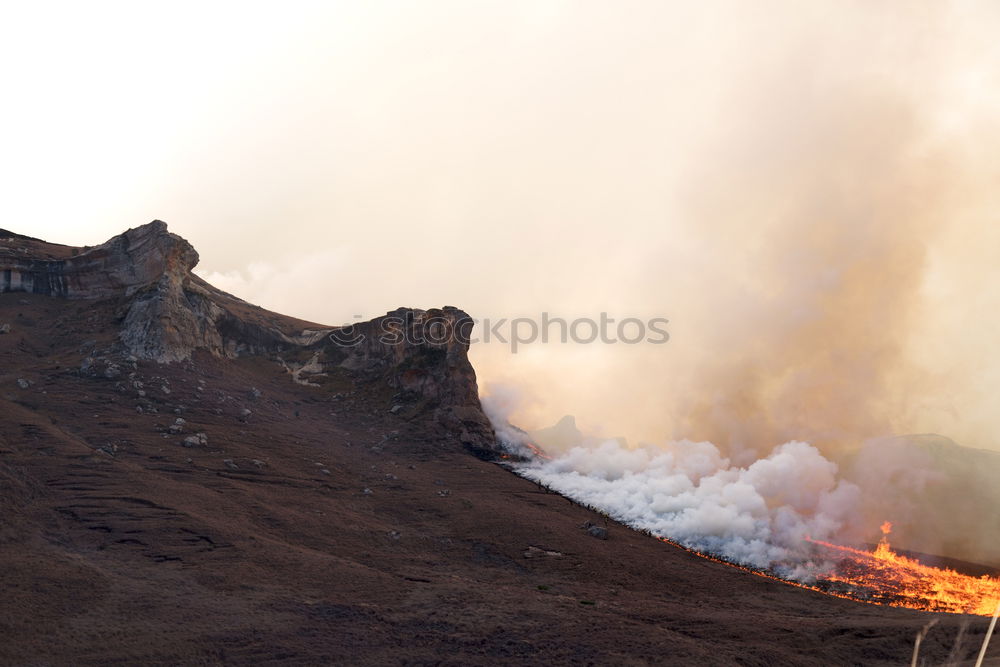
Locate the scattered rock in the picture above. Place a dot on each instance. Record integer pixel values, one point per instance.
(196, 440)
(229, 463)
(326, 471)
(444, 493)
(255, 393)
(600, 532)
(23, 384)
(396, 409)
(366, 491)
(258, 463)
(4, 328)
(177, 426)
(97, 366)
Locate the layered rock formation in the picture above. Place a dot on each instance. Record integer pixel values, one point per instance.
(423, 355)
(167, 314)
(126, 263)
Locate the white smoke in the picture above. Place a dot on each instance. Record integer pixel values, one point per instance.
(501, 401)
(759, 515)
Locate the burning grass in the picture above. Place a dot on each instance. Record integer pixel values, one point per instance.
(887, 577)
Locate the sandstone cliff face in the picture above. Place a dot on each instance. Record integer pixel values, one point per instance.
(126, 263)
(423, 356)
(167, 314)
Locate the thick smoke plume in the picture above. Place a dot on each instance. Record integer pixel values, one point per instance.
(759, 515)
(809, 258)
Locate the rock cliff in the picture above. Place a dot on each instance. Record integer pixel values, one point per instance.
(167, 314)
(129, 262)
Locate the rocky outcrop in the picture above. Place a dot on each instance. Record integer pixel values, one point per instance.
(423, 356)
(125, 264)
(167, 314)
(426, 349)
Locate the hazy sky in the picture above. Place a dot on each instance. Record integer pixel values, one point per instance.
(808, 191)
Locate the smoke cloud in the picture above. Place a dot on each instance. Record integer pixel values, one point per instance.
(759, 516)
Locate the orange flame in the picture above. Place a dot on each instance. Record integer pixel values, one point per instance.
(537, 451)
(885, 577)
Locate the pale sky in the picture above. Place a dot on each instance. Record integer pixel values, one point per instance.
(808, 191)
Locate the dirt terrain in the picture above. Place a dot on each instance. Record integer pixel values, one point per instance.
(313, 525)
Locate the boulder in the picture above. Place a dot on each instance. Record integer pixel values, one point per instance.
(196, 440)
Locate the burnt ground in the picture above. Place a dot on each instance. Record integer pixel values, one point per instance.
(323, 529)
